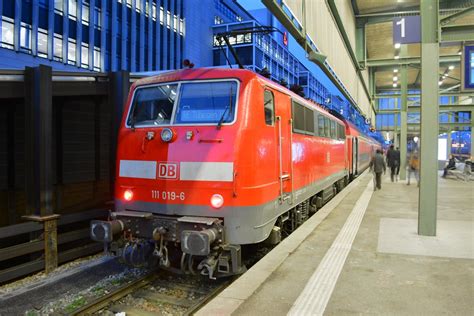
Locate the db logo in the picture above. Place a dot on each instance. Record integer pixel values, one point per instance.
(167, 170)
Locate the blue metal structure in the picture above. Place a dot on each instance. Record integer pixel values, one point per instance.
(149, 35)
(388, 122)
(96, 35)
(259, 51)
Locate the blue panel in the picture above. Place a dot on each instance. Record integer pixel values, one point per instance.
(172, 36)
(8, 8)
(103, 47)
(133, 37)
(150, 36)
(50, 29)
(142, 36)
(92, 23)
(16, 32)
(114, 26)
(158, 40)
(78, 33)
(123, 54)
(34, 28)
(165, 42)
(179, 13)
(26, 10)
(65, 31)
(1, 14)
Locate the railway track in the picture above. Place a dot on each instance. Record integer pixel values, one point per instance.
(156, 293)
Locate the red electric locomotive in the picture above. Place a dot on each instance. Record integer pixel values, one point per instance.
(209, 160)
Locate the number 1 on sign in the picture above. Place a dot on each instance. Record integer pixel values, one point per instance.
(402, 27)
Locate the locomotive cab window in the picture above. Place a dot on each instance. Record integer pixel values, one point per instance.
(269, 107)
(153, 105)
(206, 102)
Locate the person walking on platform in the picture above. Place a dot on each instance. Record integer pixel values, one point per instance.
(413, 167)
(397, 160)
(377, 165)
(393, 162)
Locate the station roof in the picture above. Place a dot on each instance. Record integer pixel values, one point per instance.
(457, 27)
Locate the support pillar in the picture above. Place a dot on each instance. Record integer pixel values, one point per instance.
(427, 203)
(38, 167)
(395, 131)
(10, 167)
(472, 135)
(403, 122)
(448, 138)
(119, 85)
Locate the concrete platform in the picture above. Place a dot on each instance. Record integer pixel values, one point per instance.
(361, 254)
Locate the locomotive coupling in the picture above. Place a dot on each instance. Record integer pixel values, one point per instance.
(104, 231)
(198, 243)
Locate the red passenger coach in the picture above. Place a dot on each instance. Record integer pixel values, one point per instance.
(209, 160)
(360, 150)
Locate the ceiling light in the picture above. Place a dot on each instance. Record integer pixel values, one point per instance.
(394, 85)
(440, 83)
(395, 78)
(444, 76)
(451, 67)
(397, 45)
(395, 70)
(397, 57)
(460, 53)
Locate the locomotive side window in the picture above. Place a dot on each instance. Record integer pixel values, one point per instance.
(321, 126)
(342, 134)
(206, 102)
(298, 118)
(333, 130)
(327, 127)
(309, 119)
(153, 105)
(269, 106)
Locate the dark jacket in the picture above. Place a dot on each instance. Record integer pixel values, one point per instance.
(378, 164)
(451, 164)
(393, 158)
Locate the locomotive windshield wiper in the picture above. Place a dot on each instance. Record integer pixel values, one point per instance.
(221, 120)
(228, 107)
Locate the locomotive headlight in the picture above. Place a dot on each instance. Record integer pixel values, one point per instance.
(217, 201)
(128, 195)
(166, 135)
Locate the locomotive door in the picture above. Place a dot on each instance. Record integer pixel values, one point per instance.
(355, 151)
(284, 136)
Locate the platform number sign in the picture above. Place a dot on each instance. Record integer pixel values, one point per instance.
(406, 29)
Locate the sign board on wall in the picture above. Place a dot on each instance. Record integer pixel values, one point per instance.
(407, 29)
(467, 68)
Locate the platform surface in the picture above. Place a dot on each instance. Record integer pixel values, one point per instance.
(361, 254)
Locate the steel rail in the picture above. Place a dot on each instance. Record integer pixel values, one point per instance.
(119, 293)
